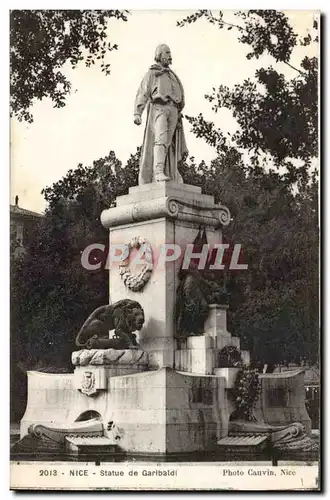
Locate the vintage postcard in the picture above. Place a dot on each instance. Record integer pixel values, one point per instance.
(164, 245)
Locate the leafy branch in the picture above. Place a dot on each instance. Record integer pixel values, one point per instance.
(264, 30)
(42, 41)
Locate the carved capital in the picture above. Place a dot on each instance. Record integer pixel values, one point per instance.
(184, 204)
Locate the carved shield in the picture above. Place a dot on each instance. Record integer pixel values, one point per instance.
(88, 384)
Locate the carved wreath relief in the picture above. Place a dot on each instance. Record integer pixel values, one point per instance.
(136, 282)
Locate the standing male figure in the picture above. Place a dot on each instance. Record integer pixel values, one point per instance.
(164, 142)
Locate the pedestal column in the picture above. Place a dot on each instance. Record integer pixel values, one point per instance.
(160, 213)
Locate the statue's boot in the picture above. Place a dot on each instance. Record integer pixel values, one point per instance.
(159, 173)
(160, 151)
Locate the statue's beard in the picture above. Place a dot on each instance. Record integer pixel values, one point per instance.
(166, 62)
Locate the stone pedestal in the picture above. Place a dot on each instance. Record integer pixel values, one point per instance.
(164, 213)
(230, 374)
(152, 412)
(196, 355)
(94, 367)
(216, 327)
(160, 412)
(200, 354)
(114, 360)
(216, 322)
(245, 357)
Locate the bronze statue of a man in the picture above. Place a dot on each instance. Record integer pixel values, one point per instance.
(164, 142)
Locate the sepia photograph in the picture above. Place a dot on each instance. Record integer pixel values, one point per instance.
(164, 250)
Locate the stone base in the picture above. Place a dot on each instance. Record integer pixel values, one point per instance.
(282, 399)
(246, 357)
(230, 375)
(162, 213)
(196, 355)
(216, 327)
(155, 412)
(94, 367)
(111, 358)
(92, 446)
(199, 354)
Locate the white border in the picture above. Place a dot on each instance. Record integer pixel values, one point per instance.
(322, 5)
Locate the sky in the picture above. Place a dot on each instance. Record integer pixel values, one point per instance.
(98, 116)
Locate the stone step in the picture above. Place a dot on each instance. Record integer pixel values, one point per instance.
(251, 443)
(98, 445)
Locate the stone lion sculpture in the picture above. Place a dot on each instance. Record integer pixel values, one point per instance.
(124, 316)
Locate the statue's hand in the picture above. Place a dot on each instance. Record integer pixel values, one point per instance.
(137, 120)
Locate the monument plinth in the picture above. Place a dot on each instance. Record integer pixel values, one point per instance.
(158, 391)
(163, 214)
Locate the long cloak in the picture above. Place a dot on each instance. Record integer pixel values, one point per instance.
(175, 152)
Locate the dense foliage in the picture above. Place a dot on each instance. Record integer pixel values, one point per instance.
(52, 293)
(42, 41)
(229, 357)
(273, 305)
(277, 115)
(273, 193)
(246, 391)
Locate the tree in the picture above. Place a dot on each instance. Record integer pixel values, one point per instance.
(52, 293)
(42, 41)
(274, 305)
(277, 116)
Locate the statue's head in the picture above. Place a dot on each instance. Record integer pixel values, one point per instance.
(163, 55)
